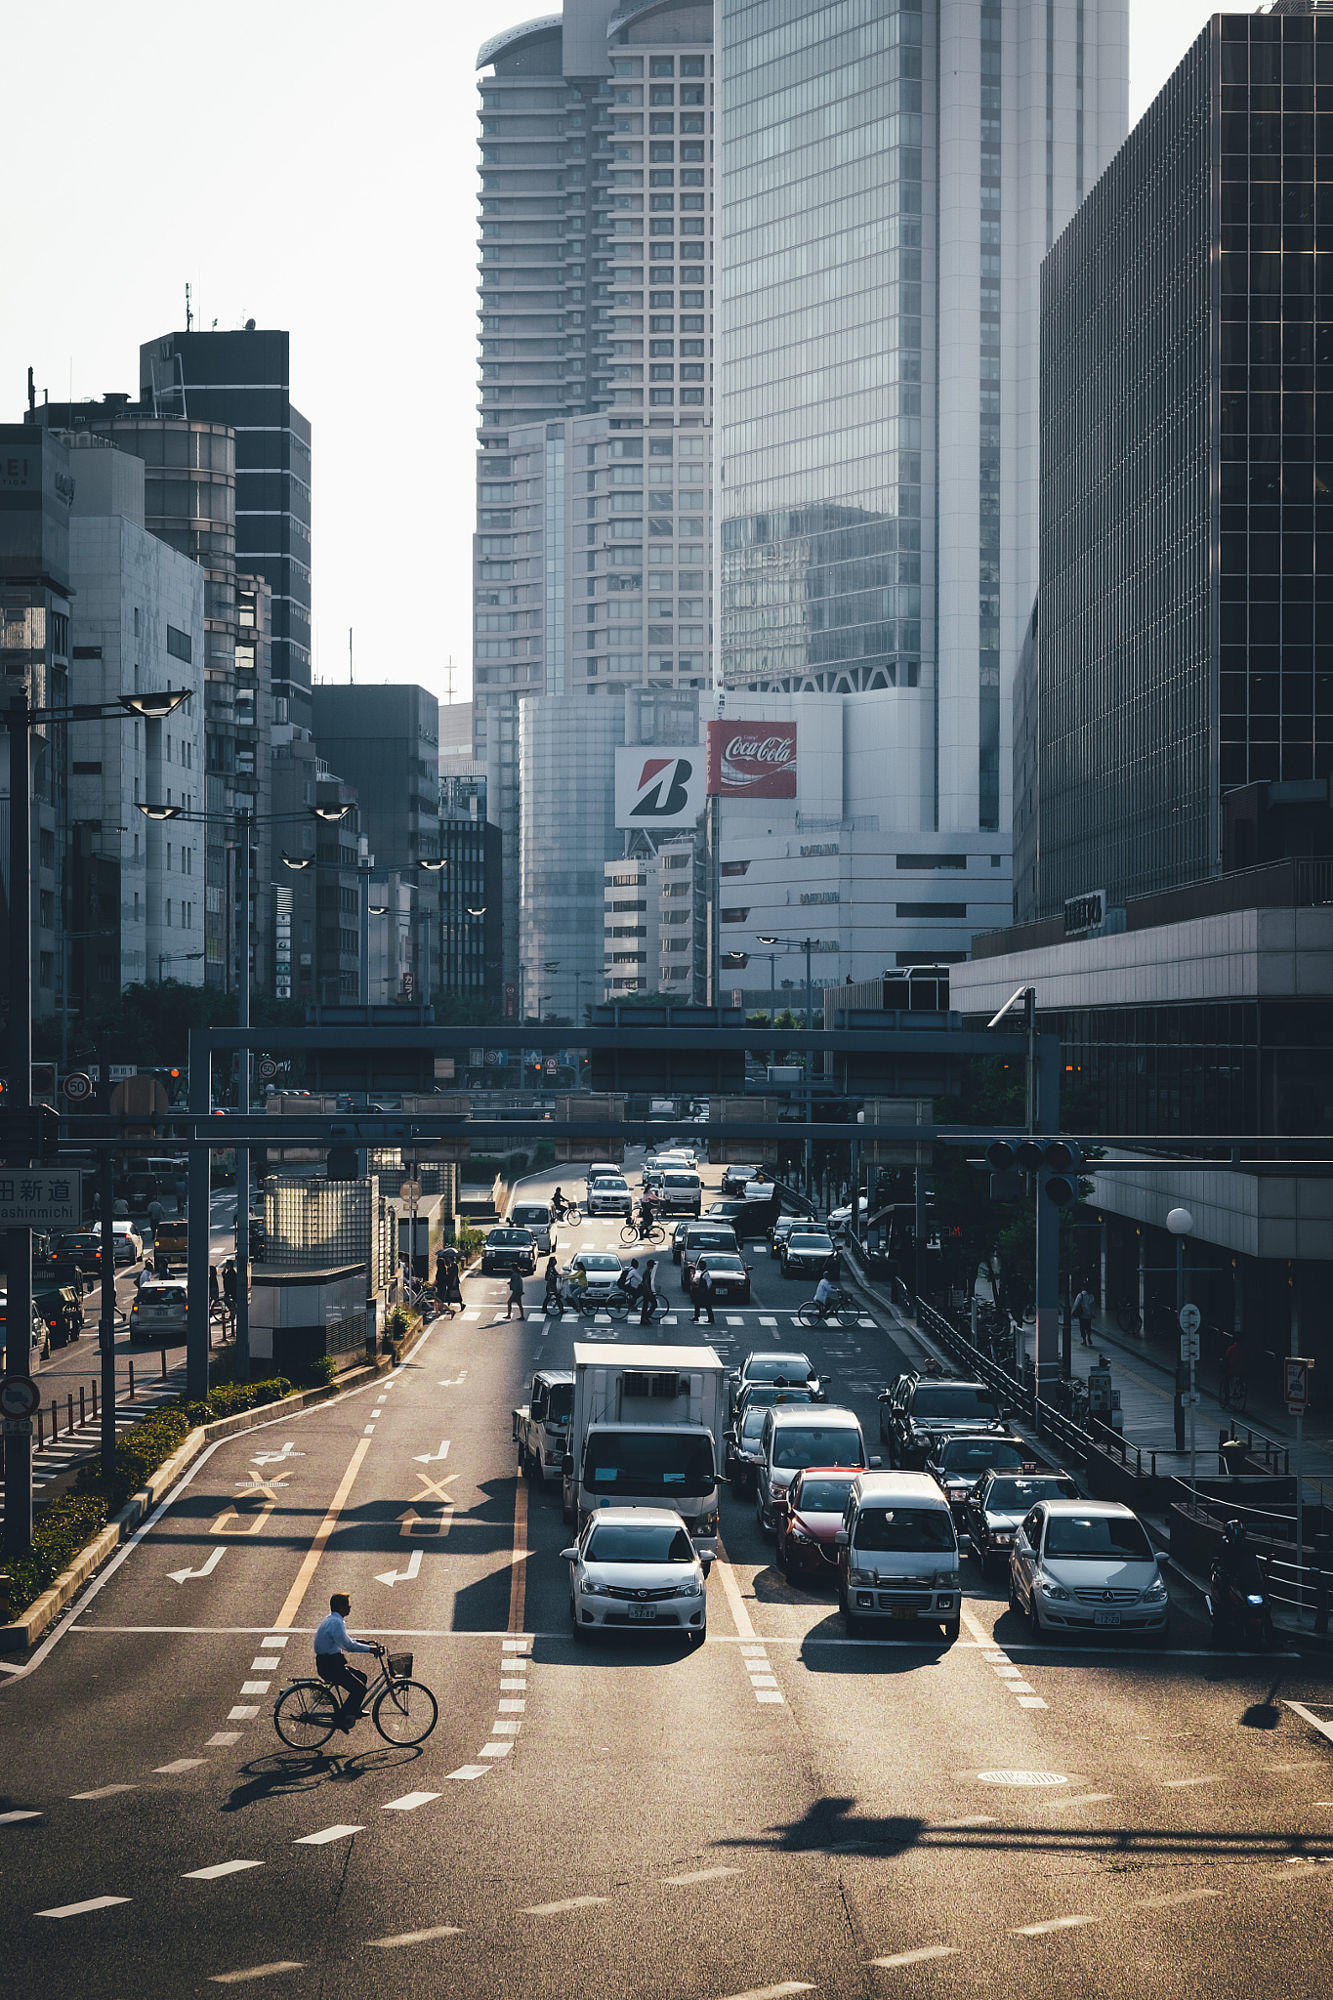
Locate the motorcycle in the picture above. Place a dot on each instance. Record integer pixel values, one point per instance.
(1239, 1607)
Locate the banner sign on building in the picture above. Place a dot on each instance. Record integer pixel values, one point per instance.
(659, 786)
(755, 760)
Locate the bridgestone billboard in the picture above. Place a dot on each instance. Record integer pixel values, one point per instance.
(659, 786)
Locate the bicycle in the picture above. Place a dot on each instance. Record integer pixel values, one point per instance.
(1127, 1315)
(619, 1305)
(631, 1233)
(1234, 1393)
(573, 1215)
(841, 1310)
(404, 1711)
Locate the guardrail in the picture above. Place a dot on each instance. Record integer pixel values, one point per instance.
(1076, 1440)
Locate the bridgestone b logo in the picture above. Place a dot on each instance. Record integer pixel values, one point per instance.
(663, 788)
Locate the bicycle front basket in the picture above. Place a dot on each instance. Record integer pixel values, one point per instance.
(400, 1666)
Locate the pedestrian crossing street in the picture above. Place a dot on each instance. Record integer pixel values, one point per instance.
(749, 1315)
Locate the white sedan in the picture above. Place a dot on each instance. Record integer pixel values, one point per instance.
(1086, 1565)
(635, 1569)
(592, 1274)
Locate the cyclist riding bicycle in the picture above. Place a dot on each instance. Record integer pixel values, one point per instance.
(826, 1295)
(332, 1642)
(646, 1217)
(559, 1206)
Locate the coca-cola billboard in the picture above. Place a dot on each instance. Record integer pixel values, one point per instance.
(752, 760)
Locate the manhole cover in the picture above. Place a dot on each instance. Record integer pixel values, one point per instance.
(1022, 1778)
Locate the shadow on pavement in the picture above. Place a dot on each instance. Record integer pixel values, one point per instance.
(288, 1772)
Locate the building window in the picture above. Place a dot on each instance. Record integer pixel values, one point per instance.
(180, 645)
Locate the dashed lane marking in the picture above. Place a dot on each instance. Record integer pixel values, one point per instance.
(1082, 1799)
(559, 1909)
(920, 1956)
(174, 1770)
(255, 1687)
(495, 1749)
(698, 1875)
(467, 1771)
(257, 1972)
(219, 1869)
(410, 1801)
(102, 1792)
(1181, 1784)
(416, 1937)
(12, 1818)
(774, 1992)
(326, 1834)
(82, 1909)
(243, 1712)
(1054, 1924)
(222, 1739)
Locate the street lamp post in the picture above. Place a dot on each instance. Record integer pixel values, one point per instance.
(1180, 1222)
(807, 945)
(197, 1244)
(19, 719)
(172, 958)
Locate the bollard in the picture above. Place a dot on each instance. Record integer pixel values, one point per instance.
(69, 1411)
(55, 1418)
(94, 1402)
(164, 1361)
(131, 1394)
(83, 1415)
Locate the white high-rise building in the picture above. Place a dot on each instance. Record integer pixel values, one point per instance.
(891, 174)
(593, 567)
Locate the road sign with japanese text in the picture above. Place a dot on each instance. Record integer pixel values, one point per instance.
(1296, 1382)
(41, 1198)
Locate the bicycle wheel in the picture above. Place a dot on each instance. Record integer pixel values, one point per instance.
(808, 1314)
(1236, 1399)
(574, 1213)
(1127, 1316)
(629, 1233)
(405, 1712)
(618, 1307)
(845, 1315)
(304, 1715)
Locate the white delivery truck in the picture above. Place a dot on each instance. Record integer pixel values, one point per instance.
(645, 1431)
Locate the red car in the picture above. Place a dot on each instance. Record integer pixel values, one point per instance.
(808, 1517)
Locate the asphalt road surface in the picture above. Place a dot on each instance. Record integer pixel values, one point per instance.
(783, 1812)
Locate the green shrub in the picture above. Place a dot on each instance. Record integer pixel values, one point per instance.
(227, 1398)
(468, 1242)
(320, 1372)
(138, 1454)
(60, 1529)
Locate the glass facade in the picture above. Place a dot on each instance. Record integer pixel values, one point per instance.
(1186, 649)
(892, 172)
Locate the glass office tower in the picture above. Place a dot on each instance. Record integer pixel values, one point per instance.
(891, 173)
(1179, 716)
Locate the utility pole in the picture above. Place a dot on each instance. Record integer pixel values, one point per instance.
(245, 824)
(18, 1243)
(1046, 1049)
(106, 1325)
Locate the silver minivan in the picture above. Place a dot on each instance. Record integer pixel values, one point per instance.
(796, 1435)
(538, 1219)
(898, 1553)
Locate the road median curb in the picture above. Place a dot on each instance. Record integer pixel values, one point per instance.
(22, 1633)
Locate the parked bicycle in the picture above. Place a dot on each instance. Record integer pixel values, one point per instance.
(1127, 1315)
(841, 1310)
(403, 1710)
(1234, 1393)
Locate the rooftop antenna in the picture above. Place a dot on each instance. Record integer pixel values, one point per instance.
(189, 310)
(32, 392)
(448, 668)
(351, 667)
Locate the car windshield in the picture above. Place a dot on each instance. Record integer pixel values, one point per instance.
(625, 1542)
(824, 1496)
(560, 1403)
(814, 1445)
(600, 1260)
(723, 1260)
(764, 1394)
(161, 1295)
(777, 1367)
(509, 1236)
(975, 1454)
(905, 1530)
(807, 1240)
(1015, 1496)
(710, 1239)
(645, 1462)
(1097, 1538)
(525, 1217)
(609, 1184)
(963, 1400)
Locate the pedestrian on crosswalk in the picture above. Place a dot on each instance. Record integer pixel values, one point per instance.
(515, 1295)
(701, 1292)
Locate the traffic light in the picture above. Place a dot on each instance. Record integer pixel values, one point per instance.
(1056, 1162)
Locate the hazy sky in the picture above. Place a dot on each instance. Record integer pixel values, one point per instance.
(316, 171)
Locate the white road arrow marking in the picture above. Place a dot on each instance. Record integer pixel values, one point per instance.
(277, 1457)
(393, 1576)
(432, 1457)
(184, 1575)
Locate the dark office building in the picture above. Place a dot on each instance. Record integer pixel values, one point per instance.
(1182, 719)
(385, 741)
(470, 912)
(244, 380)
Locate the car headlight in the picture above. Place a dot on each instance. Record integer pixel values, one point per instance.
(856, 1576)
(1048, 1586)
(1252, 1597)
(591, 1589)
(795, 1533)
(1156, 1592)
(691, 1589)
